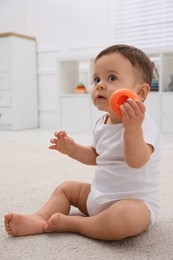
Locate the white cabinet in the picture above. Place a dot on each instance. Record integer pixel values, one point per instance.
(153, 107)
(18, 82)
(167, 108)
(76, 114)
(159, 103)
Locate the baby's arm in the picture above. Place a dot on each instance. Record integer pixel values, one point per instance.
(137, 152)
(66, 145)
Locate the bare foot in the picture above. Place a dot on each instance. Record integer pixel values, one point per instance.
(23, 225)
(58, 223)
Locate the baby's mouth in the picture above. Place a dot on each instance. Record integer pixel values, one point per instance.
(100, 97)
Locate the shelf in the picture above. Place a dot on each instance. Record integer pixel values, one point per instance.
(162, 71)
(73, 71)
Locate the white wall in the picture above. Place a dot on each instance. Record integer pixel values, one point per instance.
(61, 28)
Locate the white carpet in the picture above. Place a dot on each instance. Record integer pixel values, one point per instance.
(29, 172)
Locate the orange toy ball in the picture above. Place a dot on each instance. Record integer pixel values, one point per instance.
(119, 97)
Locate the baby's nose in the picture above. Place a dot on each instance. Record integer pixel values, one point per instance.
(101, 85)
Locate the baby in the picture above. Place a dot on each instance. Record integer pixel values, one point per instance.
(123, 198)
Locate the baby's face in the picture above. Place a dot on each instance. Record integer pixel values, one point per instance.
(112, 72)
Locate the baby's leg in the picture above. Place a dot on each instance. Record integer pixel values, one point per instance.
(123, 219)
(65, 195)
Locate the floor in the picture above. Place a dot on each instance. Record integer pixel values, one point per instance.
(26, 182)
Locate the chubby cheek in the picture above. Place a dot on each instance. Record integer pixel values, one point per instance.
(93, 95)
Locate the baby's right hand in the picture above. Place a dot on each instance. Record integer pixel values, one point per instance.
(63, 143)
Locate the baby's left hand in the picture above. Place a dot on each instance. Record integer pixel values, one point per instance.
(133, 112)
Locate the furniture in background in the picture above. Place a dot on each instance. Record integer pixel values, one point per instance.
(78, 115)
(18, 82)
(160, 101)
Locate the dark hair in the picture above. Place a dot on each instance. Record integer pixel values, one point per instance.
(139, 60)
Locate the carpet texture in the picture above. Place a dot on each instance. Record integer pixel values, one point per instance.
(29, 172)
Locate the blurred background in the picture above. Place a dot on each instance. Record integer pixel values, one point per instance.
(47, 50)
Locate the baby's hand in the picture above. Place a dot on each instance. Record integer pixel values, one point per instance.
(63, 143)
(133, 112)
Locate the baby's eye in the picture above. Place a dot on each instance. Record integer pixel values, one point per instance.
(112, 78)
(96, 80)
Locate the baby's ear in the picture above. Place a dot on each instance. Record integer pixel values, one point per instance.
(143, 91)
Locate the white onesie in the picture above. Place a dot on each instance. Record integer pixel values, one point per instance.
(114, 180)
